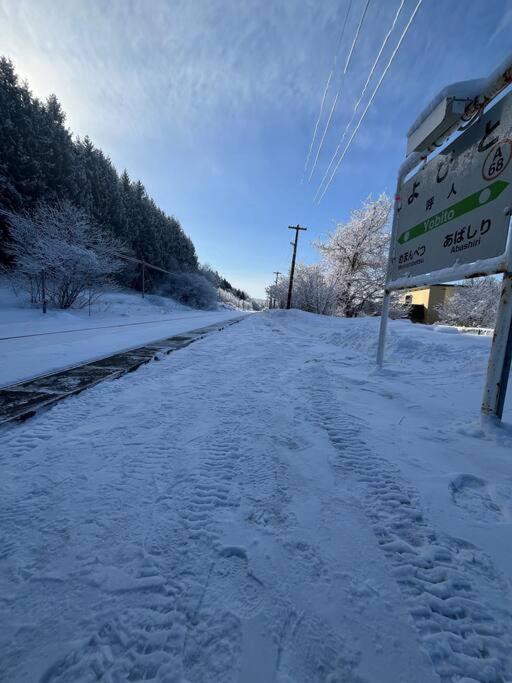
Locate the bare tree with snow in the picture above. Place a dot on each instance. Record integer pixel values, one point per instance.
(356, 255)
(475, 304)
(277, 292)
(314, 290)
(59, 243)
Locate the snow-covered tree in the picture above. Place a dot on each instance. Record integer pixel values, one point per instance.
(60, 244)
(356, 255)
(41, 162)
(231, 299)
(474, 304)
(277, 293)
(314, 290)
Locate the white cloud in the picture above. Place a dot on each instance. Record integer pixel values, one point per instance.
(155, 66)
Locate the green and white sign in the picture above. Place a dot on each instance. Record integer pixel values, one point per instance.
(455, 210)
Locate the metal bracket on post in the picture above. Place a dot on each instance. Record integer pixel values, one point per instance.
(498, 369)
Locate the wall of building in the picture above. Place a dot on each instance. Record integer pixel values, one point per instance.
(430, 298)
(420, 297)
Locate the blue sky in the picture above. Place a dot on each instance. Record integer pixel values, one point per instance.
(212, 103)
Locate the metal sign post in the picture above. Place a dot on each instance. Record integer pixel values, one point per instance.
(498, 369)
(451, 218)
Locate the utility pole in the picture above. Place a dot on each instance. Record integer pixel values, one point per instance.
(277, 273)
(292, 269)
(143, 279)
(43, 289)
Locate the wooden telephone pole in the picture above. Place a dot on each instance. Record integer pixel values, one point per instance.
(292, 269)
(277, 273)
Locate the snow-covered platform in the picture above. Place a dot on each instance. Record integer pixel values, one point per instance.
(264, 506)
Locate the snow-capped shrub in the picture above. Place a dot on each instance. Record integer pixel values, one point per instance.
(237, 299)
(473, 305)
(314, 290)
(60, 246)
(190, 289)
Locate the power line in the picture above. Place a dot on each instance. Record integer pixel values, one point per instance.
(361, 118)
(342, 82)
(356, 107)
(138, 260)
(340, 41)
(144, 265)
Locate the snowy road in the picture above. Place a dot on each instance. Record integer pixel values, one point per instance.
(25, 354)
(263, 507)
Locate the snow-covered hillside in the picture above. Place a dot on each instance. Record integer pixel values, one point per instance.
(265, 506)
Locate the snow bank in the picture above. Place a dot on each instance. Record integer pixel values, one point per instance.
(15, 307)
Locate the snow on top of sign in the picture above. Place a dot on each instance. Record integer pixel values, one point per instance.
(462, 90)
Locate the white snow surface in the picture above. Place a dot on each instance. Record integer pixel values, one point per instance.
(264, 506)
(33, 344)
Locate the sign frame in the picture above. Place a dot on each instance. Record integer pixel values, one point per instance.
(501, 352)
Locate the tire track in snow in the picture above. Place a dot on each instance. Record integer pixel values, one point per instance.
(465, 638)
(181, 610)
(182, 627)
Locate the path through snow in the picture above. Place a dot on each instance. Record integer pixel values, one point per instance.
(244, 510)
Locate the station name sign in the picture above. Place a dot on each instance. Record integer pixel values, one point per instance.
(456, 208)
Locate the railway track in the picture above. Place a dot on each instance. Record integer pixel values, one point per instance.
(24, 399)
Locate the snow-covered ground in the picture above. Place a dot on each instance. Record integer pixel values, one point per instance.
(33, 344)
(264, 506)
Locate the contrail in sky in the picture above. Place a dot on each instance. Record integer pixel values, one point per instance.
(404, 33)
(372, 70)
(340, 41)
(347, 64)
(358, 31)
(317, 122)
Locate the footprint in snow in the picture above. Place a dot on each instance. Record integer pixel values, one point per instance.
(472, 494)
(233, 582)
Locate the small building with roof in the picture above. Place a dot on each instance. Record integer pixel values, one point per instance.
(423, 303)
